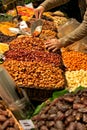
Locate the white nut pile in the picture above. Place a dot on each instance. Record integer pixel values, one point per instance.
(76, 79)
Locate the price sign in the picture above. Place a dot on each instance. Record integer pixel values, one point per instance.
(7, 2)
(27, 124)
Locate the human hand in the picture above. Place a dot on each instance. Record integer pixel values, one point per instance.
(53, 45)
(39, 11)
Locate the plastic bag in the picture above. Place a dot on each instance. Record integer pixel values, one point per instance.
(68, 27)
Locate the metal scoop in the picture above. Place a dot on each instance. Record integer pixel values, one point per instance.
(36, 27)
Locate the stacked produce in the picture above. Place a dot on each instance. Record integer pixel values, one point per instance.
(4, 28)
(34, 55)
(35, 74)
(7, 121)
(74, 60)
(76, 68)
(25, 12)
(27, 42)
(47, 34)
(76, 79)
(68, 112)
(31, 65)
(58, 17)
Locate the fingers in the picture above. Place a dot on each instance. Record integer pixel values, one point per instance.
(39, 11)
(36, 14)
(40, 14)
(52, 45)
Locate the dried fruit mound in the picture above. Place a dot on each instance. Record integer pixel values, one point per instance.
(68, 112)
(74, 60)
(76, 79)
(7, 121)
(34, 55)
(27, 42)
(35, 74)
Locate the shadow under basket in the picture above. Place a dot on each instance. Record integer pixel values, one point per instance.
(36, 94)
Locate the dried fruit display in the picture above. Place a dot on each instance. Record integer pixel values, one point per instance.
(35, 74)
(48, 25)
(7, 121)
(47, 34)
(25, 11)
(27, 42)
(74, 60)
(4, 28)
(68, 112)
(34, 55)
(5, 38)
(75, 79)
(59, 20)
(3, 48)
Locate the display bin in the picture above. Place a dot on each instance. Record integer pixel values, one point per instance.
(10, 118)
(36, 94)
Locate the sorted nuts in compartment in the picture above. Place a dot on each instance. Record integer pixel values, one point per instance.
(74, 60)
(35, 74)
(76, 79)
(27, 42)
(35, 55)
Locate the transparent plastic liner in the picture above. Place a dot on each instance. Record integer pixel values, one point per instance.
(21, 107)
(7, 87)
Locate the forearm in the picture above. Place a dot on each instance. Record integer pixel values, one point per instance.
(77, 34)
(49, 4)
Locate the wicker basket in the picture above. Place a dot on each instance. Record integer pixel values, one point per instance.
(37, 94)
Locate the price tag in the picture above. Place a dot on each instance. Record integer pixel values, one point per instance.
(27, 124)
(7, 2)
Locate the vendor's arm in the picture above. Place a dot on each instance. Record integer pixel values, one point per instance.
(49, 4)
(77, 34)
(80, 32)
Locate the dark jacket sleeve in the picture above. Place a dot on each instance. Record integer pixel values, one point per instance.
(49, 4)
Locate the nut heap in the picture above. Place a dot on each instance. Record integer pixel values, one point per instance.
(27, 42)
(76, 79)
(48, 25)
(47, 34)
(74, 60)
(34, 55)
(7, 122)
(68, 112)
(33, 74)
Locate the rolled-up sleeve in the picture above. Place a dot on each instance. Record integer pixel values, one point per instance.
(49, 4)
(77, 34)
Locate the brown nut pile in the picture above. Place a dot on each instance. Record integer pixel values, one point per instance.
(34, 55)
(59, 20)
(68, 112)
(28, 43)
(47, 34)
(35, 74)
(7, 122)
(74, 60)
(48, 25)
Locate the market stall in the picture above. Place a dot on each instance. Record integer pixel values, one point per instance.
(41, 76)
